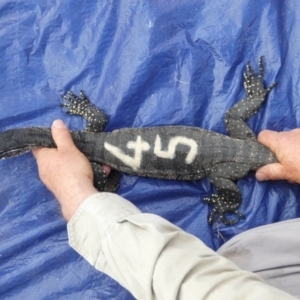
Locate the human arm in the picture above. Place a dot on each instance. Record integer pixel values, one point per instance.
(154, 259)
(286, 146)
(65, 170)
(146, 254)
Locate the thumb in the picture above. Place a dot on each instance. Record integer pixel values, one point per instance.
(62, 136)
(269, 138)
(270, 172)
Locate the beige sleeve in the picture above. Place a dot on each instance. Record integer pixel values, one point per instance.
(154, 259)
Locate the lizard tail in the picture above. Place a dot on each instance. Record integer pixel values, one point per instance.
(18, 141)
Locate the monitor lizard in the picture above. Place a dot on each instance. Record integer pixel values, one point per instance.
(166, 152)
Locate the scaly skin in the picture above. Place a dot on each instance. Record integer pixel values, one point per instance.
(167, 152)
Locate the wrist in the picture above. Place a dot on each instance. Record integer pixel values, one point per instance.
(71, 198)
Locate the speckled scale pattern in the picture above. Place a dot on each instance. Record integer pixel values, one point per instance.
(166, 152)
(244, 109)
(214, 149)
(96, 122)
(223, 176)
(225, 205)
(96, 119)
(100, 178)
(229, 197)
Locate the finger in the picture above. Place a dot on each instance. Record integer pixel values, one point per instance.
(271, 172)
(107, 169)
(62, 136)
(269, 138)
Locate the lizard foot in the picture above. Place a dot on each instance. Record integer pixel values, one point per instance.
(254, 84)
(225, 208)
(96, 119)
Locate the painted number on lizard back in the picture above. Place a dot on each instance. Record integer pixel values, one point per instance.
(139, 146)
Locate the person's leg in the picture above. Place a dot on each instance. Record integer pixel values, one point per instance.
(271, 251)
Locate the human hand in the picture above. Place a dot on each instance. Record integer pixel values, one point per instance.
(65, 171)
(286, 146)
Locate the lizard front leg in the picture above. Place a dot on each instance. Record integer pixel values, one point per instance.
(225, 205)
(244, 109)
(226, 202)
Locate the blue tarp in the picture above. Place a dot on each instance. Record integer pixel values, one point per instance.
(145, 63)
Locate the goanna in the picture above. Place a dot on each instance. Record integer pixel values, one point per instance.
(167, 152)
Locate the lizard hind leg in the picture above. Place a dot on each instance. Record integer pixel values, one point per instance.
(96, 118)
(113, 181)
(100, 178)
(102, 182)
